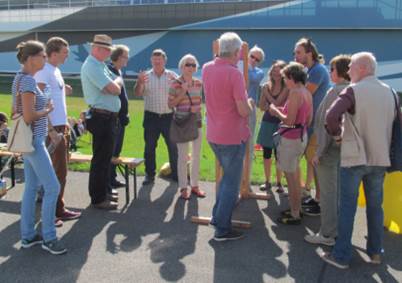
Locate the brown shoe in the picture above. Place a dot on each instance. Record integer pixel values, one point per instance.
(106, 204)
(112, 197)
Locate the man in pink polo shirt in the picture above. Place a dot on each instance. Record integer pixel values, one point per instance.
(227, 128)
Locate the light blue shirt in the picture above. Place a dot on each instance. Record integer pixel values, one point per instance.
(95, 76)
(255, 76)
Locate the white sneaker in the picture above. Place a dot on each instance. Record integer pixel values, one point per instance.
(319, 239)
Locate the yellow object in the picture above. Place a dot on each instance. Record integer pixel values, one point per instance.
(393, 202)
(165, 170)
(361, 201)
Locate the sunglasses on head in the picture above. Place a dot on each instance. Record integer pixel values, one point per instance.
(190, 65)
(255, 58)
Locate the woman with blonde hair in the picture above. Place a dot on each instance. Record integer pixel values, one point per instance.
(275, 92)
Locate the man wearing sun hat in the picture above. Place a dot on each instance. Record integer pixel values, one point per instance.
(101, 90)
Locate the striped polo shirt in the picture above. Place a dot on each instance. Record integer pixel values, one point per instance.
(194, 92)
(26, 83)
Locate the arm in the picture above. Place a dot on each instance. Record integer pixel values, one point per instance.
(262, 103)
(28, 108)
(176, 95)
(344, 103)
(42, 86)
(283, 96)
(311, 87)
(244, 107)
(290, 118)
(139, 87)
(114, 87)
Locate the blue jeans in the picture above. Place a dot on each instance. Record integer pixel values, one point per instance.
(38, 171)
(350, 178)
(231, 159)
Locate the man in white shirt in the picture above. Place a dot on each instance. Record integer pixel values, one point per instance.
(51, 81)
(154, 86)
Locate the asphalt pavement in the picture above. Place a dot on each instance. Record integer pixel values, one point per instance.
(153, 240)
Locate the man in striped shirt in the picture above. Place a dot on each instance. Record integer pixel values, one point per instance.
(154, 86)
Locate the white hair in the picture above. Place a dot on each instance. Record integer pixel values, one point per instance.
(256, 48)
(229, 43)
(366, 59)
(184, 59)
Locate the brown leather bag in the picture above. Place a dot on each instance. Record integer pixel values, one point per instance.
(184, 126)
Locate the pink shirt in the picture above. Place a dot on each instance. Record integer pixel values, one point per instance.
(223, 86)
(301, 118)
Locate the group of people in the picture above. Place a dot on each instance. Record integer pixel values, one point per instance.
(303, 115)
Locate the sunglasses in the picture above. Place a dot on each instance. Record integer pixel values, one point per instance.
(255, 58)
(157, 53)
(190, 65)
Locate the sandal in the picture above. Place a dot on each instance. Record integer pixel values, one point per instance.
(289, 220)
(280, 189)
(199, 193)
(265, 187)
(184, 194)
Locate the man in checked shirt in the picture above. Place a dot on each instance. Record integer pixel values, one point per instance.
(154, 85)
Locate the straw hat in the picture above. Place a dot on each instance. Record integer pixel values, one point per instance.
(102, 40)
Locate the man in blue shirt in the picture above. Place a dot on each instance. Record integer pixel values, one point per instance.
(255, 75)
(101, 90)
(318, 83)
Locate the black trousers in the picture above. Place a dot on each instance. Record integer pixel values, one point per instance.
(103, 128)
(117, 149)
(154, 125)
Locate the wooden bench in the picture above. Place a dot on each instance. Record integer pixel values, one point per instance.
(12, 157)
(125, 165)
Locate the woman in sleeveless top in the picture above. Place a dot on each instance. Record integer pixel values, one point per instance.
(181, 91)
(30, 101)
(295, 117)
(274, 91)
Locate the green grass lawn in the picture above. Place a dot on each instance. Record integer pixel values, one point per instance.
(134, 142)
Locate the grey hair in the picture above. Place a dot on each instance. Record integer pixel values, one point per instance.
(366, 59)
(117, 51)
(256, 48)
(185, 58)
(229, 43)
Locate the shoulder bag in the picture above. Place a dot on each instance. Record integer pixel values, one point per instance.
(20, 136)
(183, 127)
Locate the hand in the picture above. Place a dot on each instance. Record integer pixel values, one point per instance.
(273, 110)
(338, 140)
(251, 102)
(315, 161)
(171, 76)
(185, 87)
(69, 89)
(143, 77)
(119, 81)
(49, 107)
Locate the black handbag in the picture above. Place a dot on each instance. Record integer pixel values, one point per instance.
(395, 151)
(184, 127)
